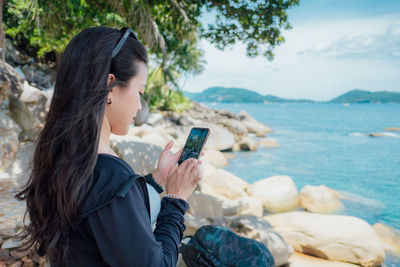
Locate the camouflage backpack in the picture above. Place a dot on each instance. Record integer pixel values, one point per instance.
(217, 246)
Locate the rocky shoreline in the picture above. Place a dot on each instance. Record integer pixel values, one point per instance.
(292, 223)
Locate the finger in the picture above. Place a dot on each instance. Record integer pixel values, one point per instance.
(177, 154)
(184, 164)
(194, 171)
(168, 147)
(190, 166)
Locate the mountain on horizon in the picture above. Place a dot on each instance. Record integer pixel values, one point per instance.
(362, 96)
(236, 95)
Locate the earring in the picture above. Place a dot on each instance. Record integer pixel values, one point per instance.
(109, 101)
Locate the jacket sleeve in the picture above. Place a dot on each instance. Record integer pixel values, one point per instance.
(150, 180)
(124, 235)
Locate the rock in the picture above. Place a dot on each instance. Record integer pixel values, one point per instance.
(28, 263)
(215, 157)
(16, 264)
(18, 170)
(332, 237)
(19, 254)
(244, 116)
(260, 230)
(31, 94)
(193, 223)
(227, 113)
(156, 138)
(205, 206)
(40, 74)
(257, 128)
(7, 123)
(278, 193)
(393, 129)
(248, 144)
(10, 82)
(13, 56)
(375, 134)
(36, 258)
(20, 113)
(319, 199)
(244, 205)
(141, 156)
(226, 184)
(49, 96)
(219, 138)
(252, 125)
(155, 119)
(234, 126)
(268, 142)
(4, 255)
(389, 237)
(236, 147)
(229, 155)
(8, 147)
(11, 243)
(303, 260)
(143, 114)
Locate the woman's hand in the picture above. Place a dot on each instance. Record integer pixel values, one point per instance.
(182, 179)
(165, 162)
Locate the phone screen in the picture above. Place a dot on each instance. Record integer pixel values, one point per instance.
(194, 144)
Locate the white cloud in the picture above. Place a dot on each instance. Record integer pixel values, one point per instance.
(318, 61)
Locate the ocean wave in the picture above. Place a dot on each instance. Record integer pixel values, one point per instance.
(379, 134)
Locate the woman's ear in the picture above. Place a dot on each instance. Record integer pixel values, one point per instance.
(111, 79)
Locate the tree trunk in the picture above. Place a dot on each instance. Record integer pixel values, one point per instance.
(2, 37)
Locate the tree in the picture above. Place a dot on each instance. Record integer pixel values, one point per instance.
(170, 29)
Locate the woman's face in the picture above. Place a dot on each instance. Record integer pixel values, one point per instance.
(125, 101)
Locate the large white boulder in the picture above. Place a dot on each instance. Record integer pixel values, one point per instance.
(193, 223)
(278, 193)
(31, 94)
(244, 205)
(205, 206)
(319, 199)
(333, 237)
(389, 237)
(248, 144)
(261, 230)
(142, 157)
(226, 184)
(215, 157)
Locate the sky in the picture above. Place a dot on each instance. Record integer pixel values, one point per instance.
(334, 46)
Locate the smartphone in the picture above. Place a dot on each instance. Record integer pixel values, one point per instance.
(194, 143)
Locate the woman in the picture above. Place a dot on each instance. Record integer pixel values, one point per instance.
(87, 207)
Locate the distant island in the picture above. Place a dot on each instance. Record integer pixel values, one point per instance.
(237, 95)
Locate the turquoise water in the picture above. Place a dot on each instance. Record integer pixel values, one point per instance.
(327, 144)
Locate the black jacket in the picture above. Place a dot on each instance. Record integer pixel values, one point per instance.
(114, 228)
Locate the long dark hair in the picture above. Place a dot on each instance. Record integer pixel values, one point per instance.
(66, 149)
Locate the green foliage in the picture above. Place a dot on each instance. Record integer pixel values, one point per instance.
(170, 29)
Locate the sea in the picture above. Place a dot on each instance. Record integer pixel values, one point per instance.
(330, 144)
